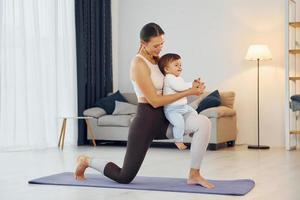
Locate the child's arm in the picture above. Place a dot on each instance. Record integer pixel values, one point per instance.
(178, 84)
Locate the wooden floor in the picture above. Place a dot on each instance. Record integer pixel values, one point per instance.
(275, 171)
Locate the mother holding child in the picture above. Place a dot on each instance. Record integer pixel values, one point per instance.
(158, 116)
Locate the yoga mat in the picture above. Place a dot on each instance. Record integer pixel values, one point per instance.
(223, 187)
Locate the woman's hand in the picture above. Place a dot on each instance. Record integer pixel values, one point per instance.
(198, 88)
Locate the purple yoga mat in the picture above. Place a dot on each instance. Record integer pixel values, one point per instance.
(223, 187)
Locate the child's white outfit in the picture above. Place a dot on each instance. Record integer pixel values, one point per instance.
(175, 111)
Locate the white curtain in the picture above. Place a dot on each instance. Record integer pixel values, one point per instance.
(37, 73)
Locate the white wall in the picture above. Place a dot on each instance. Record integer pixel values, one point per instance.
(212, 37)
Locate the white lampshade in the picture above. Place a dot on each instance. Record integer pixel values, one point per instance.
(258, 51)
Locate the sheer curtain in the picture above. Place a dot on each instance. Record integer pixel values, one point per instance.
(37, 73)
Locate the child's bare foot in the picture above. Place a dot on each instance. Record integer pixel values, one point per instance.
(197, 179)
(180, 145)
(82, 164)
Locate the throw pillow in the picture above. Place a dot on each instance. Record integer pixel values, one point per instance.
(108, 103)
(295, 97)
(123, 108)
(94, 112)
(212, 100)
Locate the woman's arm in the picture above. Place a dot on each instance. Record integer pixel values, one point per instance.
(140, 73)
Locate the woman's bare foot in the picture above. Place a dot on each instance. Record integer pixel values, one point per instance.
(196, 179)
(82, 163)
(180, 145)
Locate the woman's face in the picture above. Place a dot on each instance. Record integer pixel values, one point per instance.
(155, 45)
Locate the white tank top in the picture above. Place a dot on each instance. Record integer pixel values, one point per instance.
(156, 76)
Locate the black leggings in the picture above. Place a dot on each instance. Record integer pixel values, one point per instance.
(150, 123)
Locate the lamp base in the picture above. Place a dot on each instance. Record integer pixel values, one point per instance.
(258, 147)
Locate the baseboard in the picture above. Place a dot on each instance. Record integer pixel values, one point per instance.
(211, 146)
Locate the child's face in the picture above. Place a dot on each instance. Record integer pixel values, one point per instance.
(174, 68)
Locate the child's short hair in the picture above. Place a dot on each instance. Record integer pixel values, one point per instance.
(165, 60)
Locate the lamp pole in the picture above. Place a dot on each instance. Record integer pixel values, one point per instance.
(258, 52)
(258, 146)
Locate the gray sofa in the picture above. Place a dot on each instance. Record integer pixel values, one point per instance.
(223, 118)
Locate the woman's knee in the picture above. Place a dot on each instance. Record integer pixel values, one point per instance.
(198, 122)
(126, 179)
(204, 121)
(191, 124)
(205, 124)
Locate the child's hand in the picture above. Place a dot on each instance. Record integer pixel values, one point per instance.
(197, 83)
(197, 90)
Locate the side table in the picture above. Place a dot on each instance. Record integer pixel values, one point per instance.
(63, 130)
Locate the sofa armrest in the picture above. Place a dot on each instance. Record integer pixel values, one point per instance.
(227, 99)
(217, 112)
(95, 112)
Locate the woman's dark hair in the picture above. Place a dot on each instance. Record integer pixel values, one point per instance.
(166, 59)
(150, 30)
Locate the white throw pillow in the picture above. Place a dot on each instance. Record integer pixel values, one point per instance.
(123, 108)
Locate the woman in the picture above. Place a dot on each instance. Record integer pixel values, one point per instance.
(150, 122)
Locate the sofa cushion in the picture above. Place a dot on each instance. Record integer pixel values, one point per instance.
(217, 112)
(114, 120)
(212, 100)
(108, 103)
(94, 112)
(130, 97)
(295, 105)
(192, 98)
(123, 108)
(194, 104)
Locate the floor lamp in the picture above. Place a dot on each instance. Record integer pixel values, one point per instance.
(258, 52)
